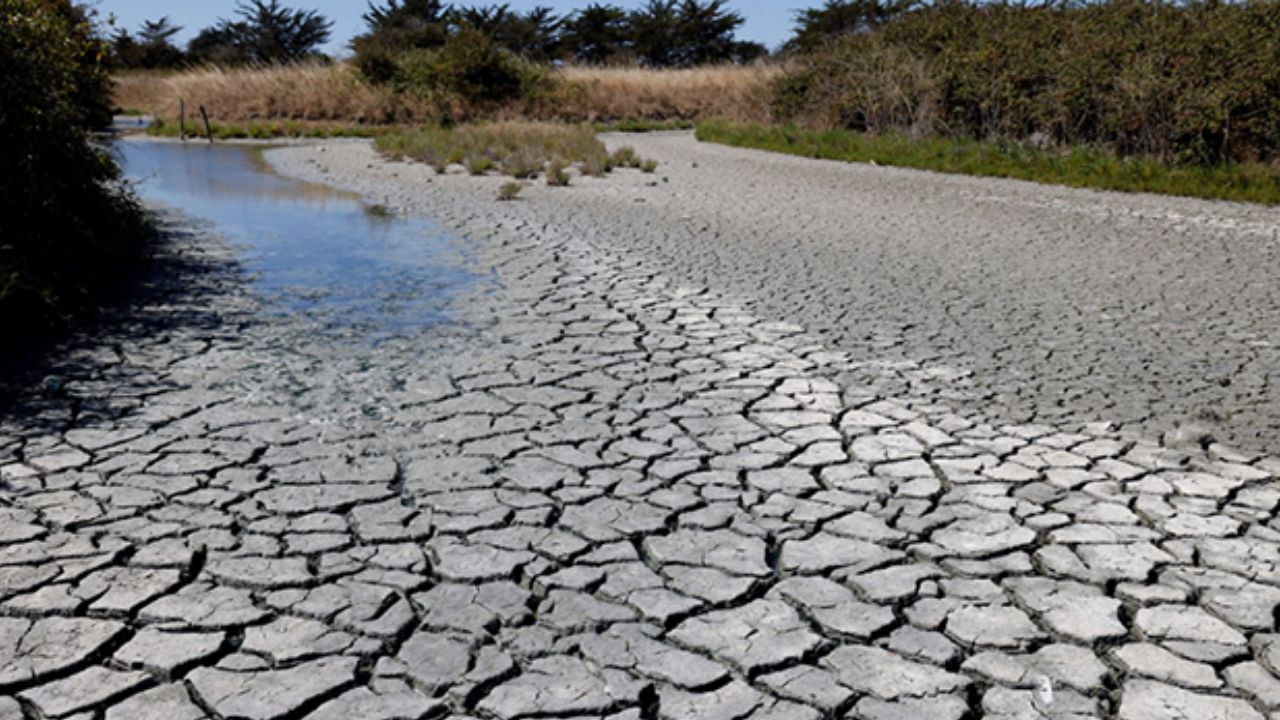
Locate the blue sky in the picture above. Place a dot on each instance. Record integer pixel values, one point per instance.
(768, 21)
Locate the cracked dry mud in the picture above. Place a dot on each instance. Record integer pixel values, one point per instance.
(600, 494)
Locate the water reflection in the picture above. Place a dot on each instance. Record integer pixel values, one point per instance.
(309, 248)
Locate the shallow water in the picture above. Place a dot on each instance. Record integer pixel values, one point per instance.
(308, 249)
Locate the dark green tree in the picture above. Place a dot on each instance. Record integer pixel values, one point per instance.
(218, 45)
(654, 33)
(535, 35)
(152, 47)
(397, 26)
(817, 26)
(269, 32)
(705, 33)
(596, 34)
(667, 33)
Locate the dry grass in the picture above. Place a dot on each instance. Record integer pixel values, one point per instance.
(306, 91)
(728, 91)
(318, 92)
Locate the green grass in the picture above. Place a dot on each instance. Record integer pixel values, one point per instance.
(1079, 167)
(519, 149)
(269, 130)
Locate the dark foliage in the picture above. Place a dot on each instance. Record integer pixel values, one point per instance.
(1196, 82)
(817, 26)
(597, 34)
(469, 71)
(263, 31)
(151, 49)
(664, 33)
(66, 228)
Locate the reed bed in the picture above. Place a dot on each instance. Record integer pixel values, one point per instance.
(337, 93)
(723, 91)
(305, 91)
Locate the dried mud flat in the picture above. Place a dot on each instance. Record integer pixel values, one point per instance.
(611, 491)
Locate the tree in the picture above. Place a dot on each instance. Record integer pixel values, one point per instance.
(654, 33)
(152, 48)
(706, 32)
(218, 45)
(597, 34)
(270, 33)
(66, 227)
(396, 27)
(536, 35)
(746, 52)
(681, 33)
(155, 42)
(817, 26)
(410, 15)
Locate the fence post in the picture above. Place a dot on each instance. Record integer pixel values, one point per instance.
(182, 119)
(207, 130)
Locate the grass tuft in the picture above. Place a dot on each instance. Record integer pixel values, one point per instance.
(479, 164)
(1082, 167)
(557, 175)
(509, 191)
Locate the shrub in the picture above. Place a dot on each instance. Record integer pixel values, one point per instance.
(648, 166)
(625, 157)
(68, 228)
(523, 163)
(478, 164)
(509, 191)
(470, 73)
(1196, 82)
(557, 175)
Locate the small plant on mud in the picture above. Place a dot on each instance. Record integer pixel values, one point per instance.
(478, 164)
(557, 176)
(523, 164)
(625, 157)
(648, 166)
(595, 166)
(509, 191)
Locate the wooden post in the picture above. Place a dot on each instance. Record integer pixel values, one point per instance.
(207, 130)
(182, 119)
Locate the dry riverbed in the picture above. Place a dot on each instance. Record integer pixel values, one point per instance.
(618, 485)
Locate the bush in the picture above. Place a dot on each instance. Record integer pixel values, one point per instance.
(509, 190)
(557, 176)
(68, 228)
(468, 71)
(1197, 82)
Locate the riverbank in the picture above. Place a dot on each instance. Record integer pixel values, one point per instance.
(1047, 304)
(595, 471)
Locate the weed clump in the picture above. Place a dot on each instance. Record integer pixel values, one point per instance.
(557, 175)
(509, 190)
(625, 157)
(479, 164)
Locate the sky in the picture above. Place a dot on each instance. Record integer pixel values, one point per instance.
(767, 21)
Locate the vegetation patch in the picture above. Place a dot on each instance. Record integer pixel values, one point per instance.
(266, 129)
(520, 149)
(1078, 167)
(69, 228)
(1191, 82)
